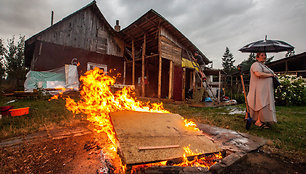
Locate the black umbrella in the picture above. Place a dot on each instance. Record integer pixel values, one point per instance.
(267, 46)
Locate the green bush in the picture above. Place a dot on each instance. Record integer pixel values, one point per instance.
(291, 91)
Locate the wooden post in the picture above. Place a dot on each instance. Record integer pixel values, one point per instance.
(159, 64)
(194, 80)
(231, 86)
(133, 56)
(286, 68)
(143, 66)
(219, 91)
(124, 72)
(184, 84)
(170, 80)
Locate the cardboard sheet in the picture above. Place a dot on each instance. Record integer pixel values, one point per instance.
(145, 129)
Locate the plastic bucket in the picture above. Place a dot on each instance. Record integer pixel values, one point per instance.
(19, 111)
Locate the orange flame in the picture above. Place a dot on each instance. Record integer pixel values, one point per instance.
(196, 160)
(191, 124)
(97, 101)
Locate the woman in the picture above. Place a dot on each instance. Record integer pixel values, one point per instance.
(261, 93)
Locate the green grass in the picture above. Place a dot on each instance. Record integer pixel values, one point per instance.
(42, 114)
(288, 135)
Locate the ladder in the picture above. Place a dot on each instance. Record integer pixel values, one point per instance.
(204, 82)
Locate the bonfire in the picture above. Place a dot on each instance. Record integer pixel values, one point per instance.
(97, 101)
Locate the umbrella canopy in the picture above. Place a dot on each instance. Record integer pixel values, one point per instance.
(267, 46)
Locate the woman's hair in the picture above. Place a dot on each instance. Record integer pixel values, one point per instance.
(257, 54)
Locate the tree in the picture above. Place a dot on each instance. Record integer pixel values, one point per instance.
(228, 61)
(2, 63)
(246, 64)
(14, 58)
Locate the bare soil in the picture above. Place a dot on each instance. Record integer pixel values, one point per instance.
(263, 163)
(81, 154)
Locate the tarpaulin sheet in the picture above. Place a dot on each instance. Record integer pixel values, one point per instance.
(64, 77)
(189, 64)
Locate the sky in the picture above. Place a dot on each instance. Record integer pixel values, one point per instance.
(212, 25)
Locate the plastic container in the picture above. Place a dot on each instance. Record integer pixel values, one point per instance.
(19, 111)
(5, 110)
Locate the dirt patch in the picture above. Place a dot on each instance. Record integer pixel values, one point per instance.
(260, 162)
(77, 154)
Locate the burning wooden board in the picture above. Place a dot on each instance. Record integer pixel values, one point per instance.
(149, 137)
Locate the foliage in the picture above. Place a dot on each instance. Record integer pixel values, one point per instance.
(12, 66)
(228, 62)
(246, 64)
(292, 90)
(15, 59)
(2, 65)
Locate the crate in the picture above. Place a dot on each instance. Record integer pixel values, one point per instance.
(19, 111)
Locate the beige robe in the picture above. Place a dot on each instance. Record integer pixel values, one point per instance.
(261, 95)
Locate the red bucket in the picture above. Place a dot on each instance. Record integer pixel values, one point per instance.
(19, 111)
(5, 109)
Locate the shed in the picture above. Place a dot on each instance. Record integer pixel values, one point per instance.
(295, 64)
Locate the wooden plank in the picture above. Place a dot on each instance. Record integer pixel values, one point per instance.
(133, 70)
(184, 84)
(143, 66)
(170, 94)
(124, 72)
(158, 147)
(159, 64)
(146, 129)
(194, 79)
(170, 51)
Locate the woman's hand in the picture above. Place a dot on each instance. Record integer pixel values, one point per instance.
(263, 75)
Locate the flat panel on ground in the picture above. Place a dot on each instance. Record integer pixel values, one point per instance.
(146, 137)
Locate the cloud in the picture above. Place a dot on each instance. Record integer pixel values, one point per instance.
(211, 25)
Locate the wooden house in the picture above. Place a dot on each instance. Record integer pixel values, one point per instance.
(149, 53)
(154, 50)
(84, 36)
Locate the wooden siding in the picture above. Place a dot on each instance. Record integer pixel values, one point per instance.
(170, 51)
(168, 35)
(84, 30)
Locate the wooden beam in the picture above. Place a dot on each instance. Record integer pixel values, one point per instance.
(170, 94)
(146, 57)
(143, 66)
(159, 65)
(184, 84)
(219, 91)
(124, 72)
(158, 147)
(194, 79)
(133, 56)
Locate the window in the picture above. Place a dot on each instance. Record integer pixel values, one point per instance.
(91, 66)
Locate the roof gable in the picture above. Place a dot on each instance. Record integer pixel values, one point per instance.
(149, 23)
(92, 6)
